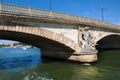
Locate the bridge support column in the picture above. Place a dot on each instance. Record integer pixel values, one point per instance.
(69, 56)
(84, 57)
(87, 51)
(86, 54)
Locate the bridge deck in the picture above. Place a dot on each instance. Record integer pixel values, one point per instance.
(26, 12)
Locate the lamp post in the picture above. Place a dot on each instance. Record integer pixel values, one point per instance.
(50, 5)
(102, 13)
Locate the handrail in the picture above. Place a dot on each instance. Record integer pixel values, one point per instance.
(31, 11)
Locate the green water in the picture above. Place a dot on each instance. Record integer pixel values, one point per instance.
(107, 68)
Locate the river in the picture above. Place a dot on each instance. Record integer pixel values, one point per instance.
(19, 64)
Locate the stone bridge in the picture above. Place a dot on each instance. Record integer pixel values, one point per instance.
(58, 35)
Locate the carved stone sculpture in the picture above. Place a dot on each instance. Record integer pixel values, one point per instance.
(85, 38)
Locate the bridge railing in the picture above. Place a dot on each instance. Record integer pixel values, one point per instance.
(31, 11)
(14, 8)
(38, 12)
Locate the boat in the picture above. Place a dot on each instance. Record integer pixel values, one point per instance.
(26, 47)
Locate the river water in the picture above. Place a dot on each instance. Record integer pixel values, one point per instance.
(19, 64)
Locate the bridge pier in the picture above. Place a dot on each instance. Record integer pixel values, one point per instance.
(86, 51)
(84, 57)
(69, 56)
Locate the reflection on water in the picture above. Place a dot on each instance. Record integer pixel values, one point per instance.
(19, 68)
(16, 62)
(17, 58)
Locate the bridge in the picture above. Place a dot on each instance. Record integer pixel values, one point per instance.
(58, 35)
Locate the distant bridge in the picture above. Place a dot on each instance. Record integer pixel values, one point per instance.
(58, 35)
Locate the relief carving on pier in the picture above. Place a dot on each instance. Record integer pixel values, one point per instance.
(85, 38)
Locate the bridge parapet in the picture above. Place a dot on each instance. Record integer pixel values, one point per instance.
(61, 17)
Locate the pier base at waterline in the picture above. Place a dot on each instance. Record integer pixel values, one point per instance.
(69, 56)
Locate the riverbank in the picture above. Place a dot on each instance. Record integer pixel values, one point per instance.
(16, 45)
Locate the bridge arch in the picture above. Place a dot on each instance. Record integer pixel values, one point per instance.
(35, 36)
(111, 41)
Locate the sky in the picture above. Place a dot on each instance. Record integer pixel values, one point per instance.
(84, 8)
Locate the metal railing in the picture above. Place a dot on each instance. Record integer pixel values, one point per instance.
(31, 11)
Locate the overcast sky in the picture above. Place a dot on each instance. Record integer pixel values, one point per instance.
(85, 8)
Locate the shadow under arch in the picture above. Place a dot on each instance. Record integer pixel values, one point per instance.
(37, 41)
(109, 42)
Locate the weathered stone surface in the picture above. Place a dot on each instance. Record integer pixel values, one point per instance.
(84, 57)
(86, 51)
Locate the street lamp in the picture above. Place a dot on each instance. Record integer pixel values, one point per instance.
(102, 13)
(50, 5)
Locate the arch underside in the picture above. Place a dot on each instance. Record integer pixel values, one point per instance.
(37, 41)
(109, 42)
